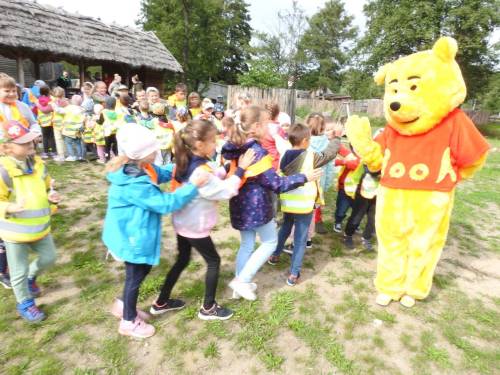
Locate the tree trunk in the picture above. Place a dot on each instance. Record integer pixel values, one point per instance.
(20, 70)
(185, 49)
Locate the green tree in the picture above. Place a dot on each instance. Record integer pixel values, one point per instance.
(263, 73)
(401, 27)
(210, 38)
(490, 98)
(359, 84)
(325, 44)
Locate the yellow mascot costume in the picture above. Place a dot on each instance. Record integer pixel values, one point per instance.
(427, 147)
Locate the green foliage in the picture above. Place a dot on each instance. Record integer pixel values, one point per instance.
(210, 38)
(323, 43)
(359, 85)
(489, 98)
(403, 27)
(262, 74)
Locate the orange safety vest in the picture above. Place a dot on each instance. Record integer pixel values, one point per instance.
(151, 172)
(174, 184)
(254, 170)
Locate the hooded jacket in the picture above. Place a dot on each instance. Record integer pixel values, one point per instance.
(132, 227)
(253, 207)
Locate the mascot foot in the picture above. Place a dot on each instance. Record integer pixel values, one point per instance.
(383, 299)
(407, 301)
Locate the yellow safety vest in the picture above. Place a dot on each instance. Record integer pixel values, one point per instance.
(111, 121)
(15, 115)
(369, 186)
(45, 119)
(88, 131)
(73, 123)
(302, 199)
(164, 135)
(33, 223)
(352, 179)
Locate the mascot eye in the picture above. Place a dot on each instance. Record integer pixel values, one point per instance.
(413, 87)
(395, 91)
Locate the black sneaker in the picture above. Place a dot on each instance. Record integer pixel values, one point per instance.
(309, 244)
(170, 305)
(5, 281)
(367, 244)
(348, 242)
(273, 260)
(215, 313)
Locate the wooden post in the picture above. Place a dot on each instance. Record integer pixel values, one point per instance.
(127, 77)
(20, 70)
(36, 65)
(81, 71)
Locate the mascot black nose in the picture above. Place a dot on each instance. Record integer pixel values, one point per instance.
(395, 106)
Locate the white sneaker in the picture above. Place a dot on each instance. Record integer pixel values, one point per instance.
(99, 161)
(70, 158)
(407, 301)
(235, 295)
(243, 289)
(383, 299)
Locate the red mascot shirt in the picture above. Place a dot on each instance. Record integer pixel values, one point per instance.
(431, 161)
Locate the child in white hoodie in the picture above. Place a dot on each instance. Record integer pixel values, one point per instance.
(194, 147)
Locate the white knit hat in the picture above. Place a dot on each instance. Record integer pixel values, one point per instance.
(136, 142)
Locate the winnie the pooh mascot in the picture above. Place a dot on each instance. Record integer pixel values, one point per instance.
(427, 147)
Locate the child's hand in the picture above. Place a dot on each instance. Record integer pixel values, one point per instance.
(314, 174)
(54, 197)
(13, 208)
(246, 159)
(200, 178)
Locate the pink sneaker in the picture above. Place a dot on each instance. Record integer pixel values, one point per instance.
(117, 311)
(138, 328)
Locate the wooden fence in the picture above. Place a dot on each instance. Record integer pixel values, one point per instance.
(284, 97)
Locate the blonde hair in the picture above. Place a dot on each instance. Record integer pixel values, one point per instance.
(119, 161)
(58, 92)
(6, 81)
(248, 117)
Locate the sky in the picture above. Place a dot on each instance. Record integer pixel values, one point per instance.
(262, 12)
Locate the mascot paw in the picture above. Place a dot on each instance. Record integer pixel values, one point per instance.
(407, 301)
(358, 128)
(383, 299)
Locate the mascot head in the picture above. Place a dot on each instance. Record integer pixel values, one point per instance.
(422, 88)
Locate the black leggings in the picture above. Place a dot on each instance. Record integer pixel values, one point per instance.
(207, 250)
(111, 145)
(49, 142)
(134, 276)
(361, 207)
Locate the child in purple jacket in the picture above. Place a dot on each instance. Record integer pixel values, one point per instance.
(251, 210)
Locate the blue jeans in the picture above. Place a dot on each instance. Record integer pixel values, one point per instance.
(344, 202)
(301, 222)
(77, 152)
(248, 261)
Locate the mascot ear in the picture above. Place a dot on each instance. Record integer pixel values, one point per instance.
(445, 48)
(379, 77)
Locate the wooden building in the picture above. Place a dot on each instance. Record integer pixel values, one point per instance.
(43, 33)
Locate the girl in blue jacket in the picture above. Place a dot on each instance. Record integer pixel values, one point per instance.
(132, 227)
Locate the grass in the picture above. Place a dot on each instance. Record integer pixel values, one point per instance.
(327, 324)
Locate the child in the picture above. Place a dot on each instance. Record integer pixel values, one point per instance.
(109, 121)
(88, 102)
(73, 125)
(194, 147)
(298, 205)
(319, 142)
(251, 210)
(88, 134)
(25, 196)
(177, 100)
(164, 131)
(348, 163)
(100, 93)
(13, 109)
(153, 95)
(219, 115)
(98, 134)
(59, 103)
(144, 117)
(206, 114)
(182, 116)
(132, 227)
(194, 104)
(45, 120)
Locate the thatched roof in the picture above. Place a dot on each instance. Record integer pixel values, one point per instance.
(51, 34)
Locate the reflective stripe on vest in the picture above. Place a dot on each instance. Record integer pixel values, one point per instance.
(302, 199)
(22, 228)
(352, 180)
(369, 186)
(254, 170)
(45, 119)
(30, 214)
(73, 122)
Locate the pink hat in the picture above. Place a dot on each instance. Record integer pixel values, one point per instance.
(136, 141)
(15, 132)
